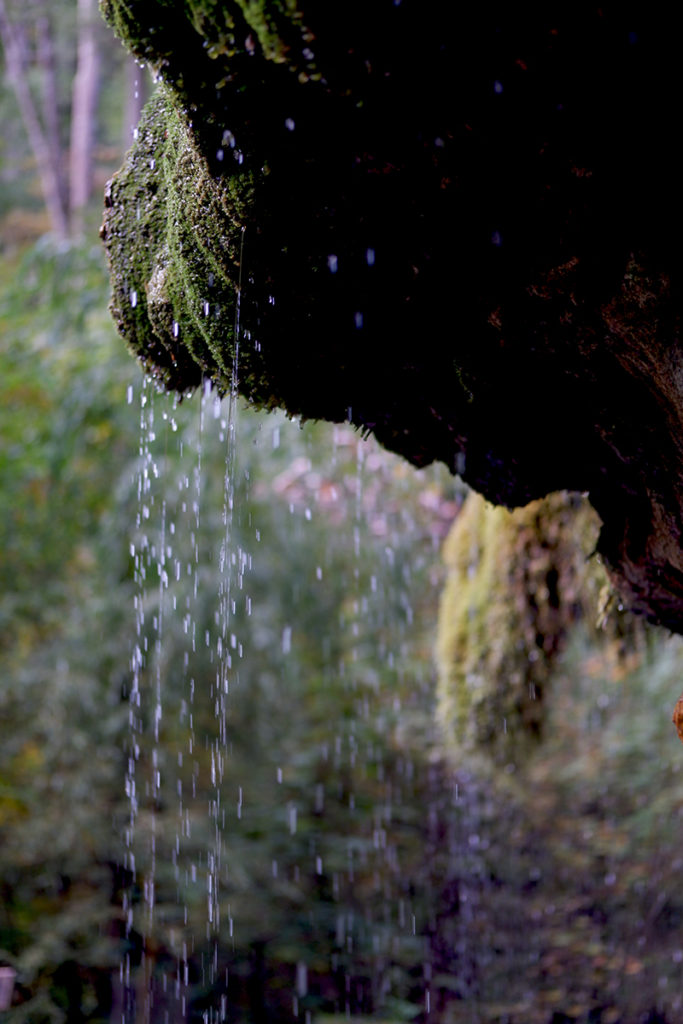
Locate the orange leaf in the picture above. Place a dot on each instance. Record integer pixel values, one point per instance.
(677, 717)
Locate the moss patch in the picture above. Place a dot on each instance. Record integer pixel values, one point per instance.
(517, 583)
(174, 236)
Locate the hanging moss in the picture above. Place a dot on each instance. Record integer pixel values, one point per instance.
(517, 582)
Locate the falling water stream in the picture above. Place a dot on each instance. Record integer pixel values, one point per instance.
(279, 775)
(299, 846)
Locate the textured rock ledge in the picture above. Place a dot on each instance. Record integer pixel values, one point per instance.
(459, 230)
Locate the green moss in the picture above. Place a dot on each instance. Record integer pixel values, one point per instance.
(155, 31)
(181, 212)
(516, 583)
(174, 236)
(133, 231)
(211, 18)
(278, 27)
(146, 27)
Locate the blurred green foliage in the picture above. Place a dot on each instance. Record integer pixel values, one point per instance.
(65, 442)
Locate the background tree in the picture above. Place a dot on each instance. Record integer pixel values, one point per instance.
(83, 111)
(43, 132)
(55, 63)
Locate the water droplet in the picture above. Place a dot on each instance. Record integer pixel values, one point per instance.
(289, 124)
(332, 263)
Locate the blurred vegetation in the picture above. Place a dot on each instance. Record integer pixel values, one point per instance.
(65, 440)
(224, 793)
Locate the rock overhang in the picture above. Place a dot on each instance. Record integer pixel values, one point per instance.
(457, 230)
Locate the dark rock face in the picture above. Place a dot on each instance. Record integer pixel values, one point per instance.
(459, 230)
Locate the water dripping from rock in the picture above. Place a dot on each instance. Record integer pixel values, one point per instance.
(295, 848)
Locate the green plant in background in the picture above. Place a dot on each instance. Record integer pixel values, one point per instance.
(62, 422)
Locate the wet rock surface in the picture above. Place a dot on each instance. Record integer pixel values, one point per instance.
(458, 230)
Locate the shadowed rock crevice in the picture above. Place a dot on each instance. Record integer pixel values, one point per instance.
(457, 230)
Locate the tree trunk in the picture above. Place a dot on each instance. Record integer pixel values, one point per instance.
(83, 111)
(47, 161)
(45, 56)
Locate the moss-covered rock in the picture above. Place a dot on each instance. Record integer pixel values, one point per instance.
(517, 583)
(455, 227)
(178, 238)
